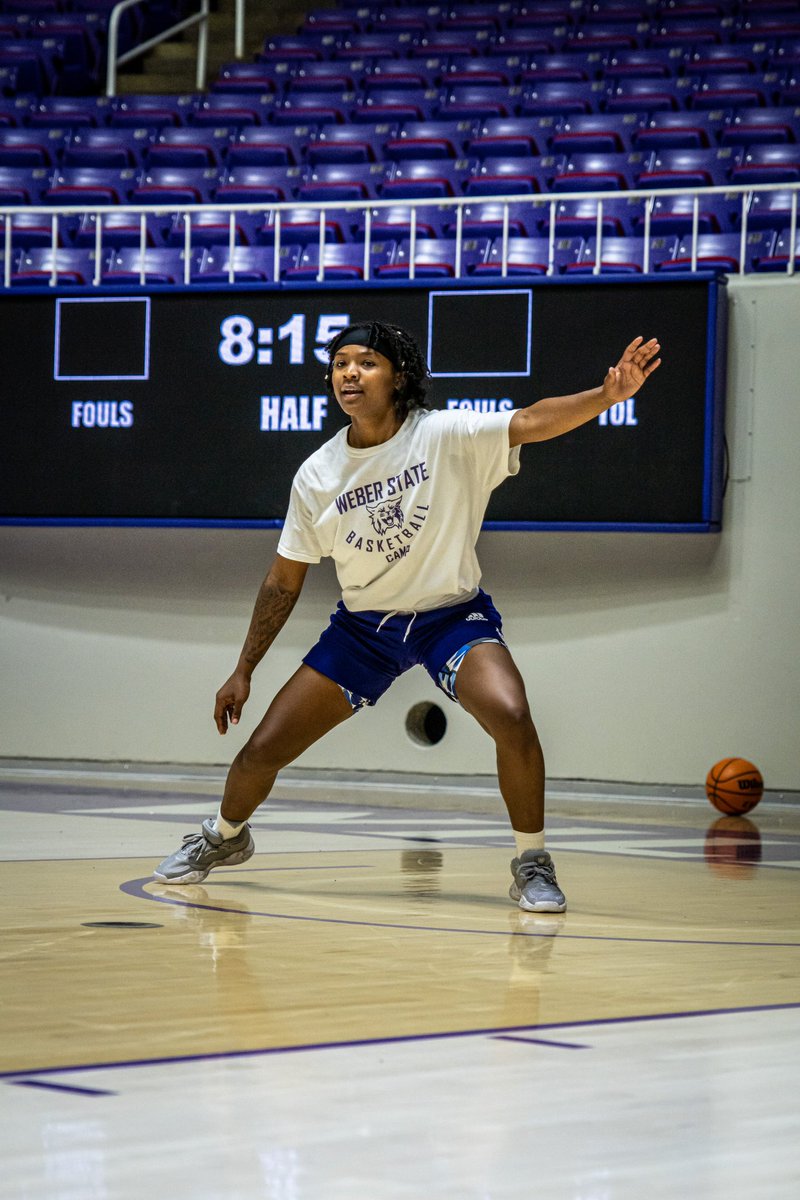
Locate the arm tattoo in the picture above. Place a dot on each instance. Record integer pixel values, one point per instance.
(273, 606)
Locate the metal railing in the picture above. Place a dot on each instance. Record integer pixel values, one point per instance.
(115, 59)
(368, 208)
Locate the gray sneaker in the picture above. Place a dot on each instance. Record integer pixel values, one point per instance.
(202, 851)
(535, 886)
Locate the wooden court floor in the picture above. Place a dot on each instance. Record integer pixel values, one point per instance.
(360, 1012)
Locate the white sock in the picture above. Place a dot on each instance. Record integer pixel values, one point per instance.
(528, 841)
(226, 828)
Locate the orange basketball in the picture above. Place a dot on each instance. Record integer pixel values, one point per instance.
(734, 786)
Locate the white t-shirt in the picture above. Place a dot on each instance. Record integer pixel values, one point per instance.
(401, 519)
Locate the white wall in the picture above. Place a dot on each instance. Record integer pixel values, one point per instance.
(647, 657)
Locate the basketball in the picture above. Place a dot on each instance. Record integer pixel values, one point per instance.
(734, 786)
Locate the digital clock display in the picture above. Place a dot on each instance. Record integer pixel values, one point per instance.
(198, 406)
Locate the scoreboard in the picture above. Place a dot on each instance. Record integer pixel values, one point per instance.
(197, 406)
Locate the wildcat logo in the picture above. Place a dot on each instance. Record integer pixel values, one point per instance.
(386, 516)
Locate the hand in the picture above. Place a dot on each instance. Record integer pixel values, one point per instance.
(231, 699)
(625, 379)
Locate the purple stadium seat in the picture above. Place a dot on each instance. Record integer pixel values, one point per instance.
(265, 146)
(770, 210)
(314, 109)
(343, 181)
(659, 63)
(465, 102)
(349, 143)
(161, 266)
(625, 35)
(35, 228)
(683, 32)
(648, 95)
(122, 229)
(31, 147)
(153, 110)
(675, 214)
(715, 252)
(373, 47)
(549, 12)
(395, 104)
(398, 74)
(107, 147)
(732, 91)
(70, 112)
(282, 48)
(602, 133)
(34, 62)
(470, 71)
(237, 109)
(237, 77)
(85, 186)
(486, 219)
(777, 257)
(321, 77)
(394, 223)
(473, 16)
(506, 136)
(435, 259)
(786, 53)
(545, 40)
(340, 262)
(405, 19)
(442, 41)
(768, 164)
(24, 185)
(301, 225)
(213, 229)
(430, 139)
(530, 256)
(690, 168)
(579, 67)
(251, 264)
(600, 172)
(261, 184)
(680, 131)
(34, 267)
(420, 178)
(176, 185)
(578, 218)
(622, 255)
(513, 176)
(751, 126)
(190, 147)
(715, 60)
(336, 19)
(562, 99)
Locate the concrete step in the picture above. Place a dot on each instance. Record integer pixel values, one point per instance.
(170, 67)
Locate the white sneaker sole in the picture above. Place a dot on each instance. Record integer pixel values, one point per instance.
(235, 860)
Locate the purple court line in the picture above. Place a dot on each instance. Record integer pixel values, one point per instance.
(135, 888)
(510, 1037)
(62, 1087)
(445, 1035)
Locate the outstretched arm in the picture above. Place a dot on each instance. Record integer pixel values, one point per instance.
(276, 599)
(555, 415)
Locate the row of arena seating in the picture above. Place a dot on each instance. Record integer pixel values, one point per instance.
(622, 218)
(408, 179)
(434, 259)
(427, 102)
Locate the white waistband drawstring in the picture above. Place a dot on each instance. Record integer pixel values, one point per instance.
(396, 613)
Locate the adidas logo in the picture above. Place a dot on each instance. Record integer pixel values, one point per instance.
(477, 617)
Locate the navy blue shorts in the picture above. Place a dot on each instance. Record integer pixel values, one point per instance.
(364, 652)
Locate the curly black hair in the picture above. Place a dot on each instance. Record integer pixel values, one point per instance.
(406, 355)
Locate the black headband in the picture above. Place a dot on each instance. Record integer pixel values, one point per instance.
(369, 336)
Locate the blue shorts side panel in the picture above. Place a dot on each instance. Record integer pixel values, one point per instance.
(364, 652)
